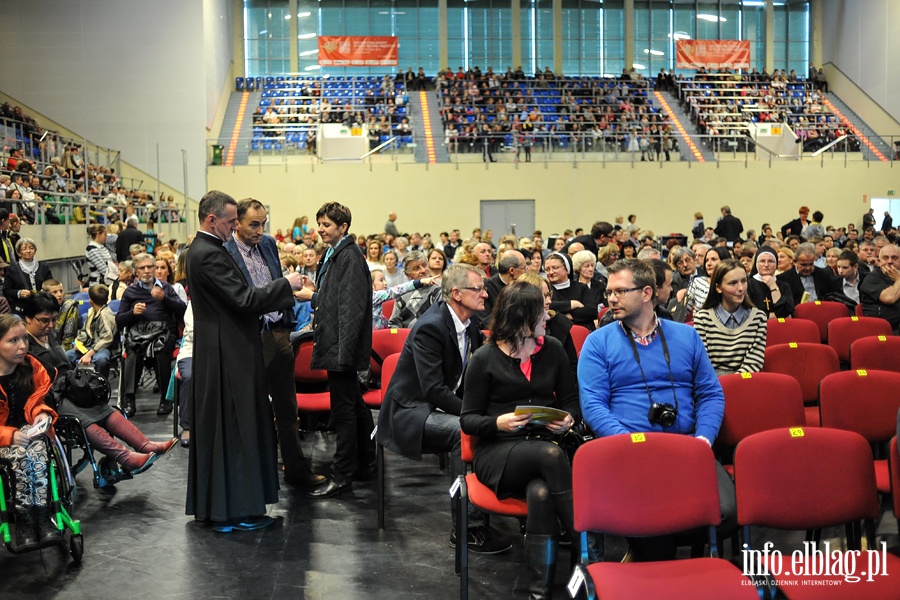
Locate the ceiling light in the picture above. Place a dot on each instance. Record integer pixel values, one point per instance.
(312, 68)
(309, 52)
(680, 35)
(638, 67)
(304, 14)
(287, 17)
(711, 18)
(306, 36)
(654, 52)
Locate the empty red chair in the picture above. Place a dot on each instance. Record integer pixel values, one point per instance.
(865, 402)
(384, 343)
(785, 331)
(846, 330)
(387, 308)
(618, 483)
(822, 313)
(811, 479)
(808, 364)
(757, 402)
(579, 334)
(317, 399)
(881, 352)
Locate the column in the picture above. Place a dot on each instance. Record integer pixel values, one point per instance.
(557, 38)
(443, 51)
(770, 36)
(294, 45)
(816, 24)
(629, 34)
(516, 17)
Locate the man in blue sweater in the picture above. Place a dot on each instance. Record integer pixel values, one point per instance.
(646, 374)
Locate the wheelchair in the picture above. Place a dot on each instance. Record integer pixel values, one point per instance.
(106, 471)
(61, 495)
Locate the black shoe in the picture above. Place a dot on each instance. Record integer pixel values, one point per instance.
(365, 471)
(484, 540)
(128, 406)
(48, 532)
(330, 489)
(306, 480)
(164, 408)
(26, 533)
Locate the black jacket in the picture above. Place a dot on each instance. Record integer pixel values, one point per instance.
(824, 281)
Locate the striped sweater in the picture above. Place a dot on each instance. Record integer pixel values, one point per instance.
(740, 350)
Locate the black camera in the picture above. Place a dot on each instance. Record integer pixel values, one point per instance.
(662, 414)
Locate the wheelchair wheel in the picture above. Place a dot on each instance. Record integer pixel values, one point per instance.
(76, 547)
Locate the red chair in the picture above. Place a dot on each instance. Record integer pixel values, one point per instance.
(387, 308)
(822, 313)
(757, 402)
(846, 330)
(579, 334)
(810, 479)
(469, 489)
(858, 311)
(785, 331)
(619, 483)
(390, 365)
(373, 398)
(881, 352)
(894, 465)
(314, 397)
(808, 364)
(865, 402)
(384, 343)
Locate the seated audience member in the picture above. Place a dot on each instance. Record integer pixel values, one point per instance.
(95, 340)
(24, 385)
(98, 256)
(514, 456)
(135, 249)
(100, 421)
(126, 277)
(583, 266)
(24, 278)
(851, 276)
(879, 292)
(409, 307)
(67, 321)
(509, 268)
(557, 326)
(643, 356)
(571, 298)
(422, 403)
(663, 274)
(393, 274)
(732, 329)
(607, 255)
(381, 293)
(807, 281)
(437, 262)
(185, 365)
(868, 256)
(766, 292)
(685, 268)
(149, 306)
(695, 294)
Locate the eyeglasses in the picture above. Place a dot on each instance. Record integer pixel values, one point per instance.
(474, 288)
(45, 320)
(620, 293)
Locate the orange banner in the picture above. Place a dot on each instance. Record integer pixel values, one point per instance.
(712, 54)
(358, 51)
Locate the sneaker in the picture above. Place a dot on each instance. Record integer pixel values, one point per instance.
(484, 540)
(243, 525)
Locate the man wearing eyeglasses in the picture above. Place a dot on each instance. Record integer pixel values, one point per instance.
(879, 292)
(807, 281)
(421, 406)
(645, 374)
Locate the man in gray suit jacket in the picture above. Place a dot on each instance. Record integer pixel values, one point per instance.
(256, 255)
(421, 406)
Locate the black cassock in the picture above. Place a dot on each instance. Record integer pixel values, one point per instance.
(232, 471)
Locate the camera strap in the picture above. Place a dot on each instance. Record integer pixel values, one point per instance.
(637, 358)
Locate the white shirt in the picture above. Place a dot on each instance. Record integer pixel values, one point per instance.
(462, 341)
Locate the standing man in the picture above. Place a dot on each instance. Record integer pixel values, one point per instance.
(868, 219)
(390, 227)
(232, 468)
(131, 235)
(601, 234)
(649, 374)
(729, 226)
(256, 256)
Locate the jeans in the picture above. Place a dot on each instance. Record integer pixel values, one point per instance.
(441, 434)
(100, 360)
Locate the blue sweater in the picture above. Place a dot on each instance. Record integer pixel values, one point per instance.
(614, 397)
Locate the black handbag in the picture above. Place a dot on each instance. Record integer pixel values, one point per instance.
(147, 337)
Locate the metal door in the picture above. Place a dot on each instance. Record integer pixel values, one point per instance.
(507, 216)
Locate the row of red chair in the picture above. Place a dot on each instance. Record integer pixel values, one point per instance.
(841, 332)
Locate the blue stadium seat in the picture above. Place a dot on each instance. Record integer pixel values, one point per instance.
(239, 83)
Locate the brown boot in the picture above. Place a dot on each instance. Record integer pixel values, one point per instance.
(128, 432)
(136, 462)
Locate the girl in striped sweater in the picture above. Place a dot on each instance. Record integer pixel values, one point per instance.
(732, 329)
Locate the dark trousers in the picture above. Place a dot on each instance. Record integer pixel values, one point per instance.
(441, 434)
(279, 360)
(353, 425)
(162, 366)
(185, 369)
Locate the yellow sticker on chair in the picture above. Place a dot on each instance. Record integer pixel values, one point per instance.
(638, 437)
(781, 319)
(797, 432)
(854, 319)
(861, 372)
(394, 331)
(818, 303)
(882, 338)
(746, 375)
(792, 344)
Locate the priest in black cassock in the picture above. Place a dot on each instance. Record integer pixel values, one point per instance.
(232, 469)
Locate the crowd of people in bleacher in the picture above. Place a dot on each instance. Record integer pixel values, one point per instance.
(46, 178)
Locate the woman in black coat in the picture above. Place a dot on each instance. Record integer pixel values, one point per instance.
(765, 291)
(25, 277)
(343, 345)
(516, 454)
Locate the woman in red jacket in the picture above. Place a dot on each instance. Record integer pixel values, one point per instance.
(24, 418)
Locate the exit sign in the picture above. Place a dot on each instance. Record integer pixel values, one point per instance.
(890, 192)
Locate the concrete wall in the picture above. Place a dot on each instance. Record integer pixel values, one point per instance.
(126, 74)
(444, 197)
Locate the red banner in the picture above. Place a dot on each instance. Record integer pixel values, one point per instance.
(358, 51)
(712, 54)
